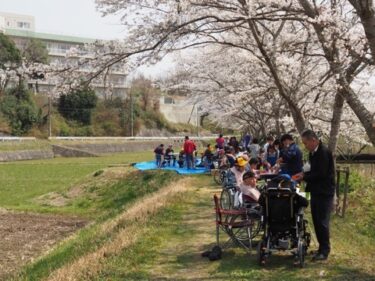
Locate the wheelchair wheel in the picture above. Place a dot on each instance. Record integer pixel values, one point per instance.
(244, 228)
(261, 254)
(226, 199)
(218, 177)
(301, 252)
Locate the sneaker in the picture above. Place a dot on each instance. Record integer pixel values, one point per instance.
(206, 254)
(319, 257)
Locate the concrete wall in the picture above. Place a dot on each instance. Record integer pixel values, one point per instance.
(179, 113)
(103, 148)
(25, 155)
(90, 149)
(64, 151)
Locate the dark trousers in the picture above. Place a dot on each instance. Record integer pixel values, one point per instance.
(189, 160)
(321, 206)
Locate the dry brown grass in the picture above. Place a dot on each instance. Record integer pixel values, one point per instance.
(89, 265)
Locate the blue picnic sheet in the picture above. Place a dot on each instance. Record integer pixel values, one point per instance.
(151, 165)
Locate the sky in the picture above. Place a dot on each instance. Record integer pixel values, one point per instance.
(77, 18)
(67, 17)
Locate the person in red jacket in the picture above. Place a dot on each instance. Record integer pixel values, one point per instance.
(220, 142)
(189, 148)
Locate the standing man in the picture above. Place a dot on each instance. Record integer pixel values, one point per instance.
(220, 142)
(321, 184)
(159, 154)
(189, 148)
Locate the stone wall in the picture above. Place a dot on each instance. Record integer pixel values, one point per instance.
(8, 156)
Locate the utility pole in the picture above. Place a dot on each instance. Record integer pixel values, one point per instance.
(131, 115)
(197, 116)
(49, 116)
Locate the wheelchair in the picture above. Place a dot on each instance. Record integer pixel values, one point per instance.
(229, 189)
(284, 226)
(241, 225)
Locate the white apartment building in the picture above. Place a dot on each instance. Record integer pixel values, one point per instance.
(21, 28)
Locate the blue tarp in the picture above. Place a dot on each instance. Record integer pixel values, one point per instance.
(150, 165)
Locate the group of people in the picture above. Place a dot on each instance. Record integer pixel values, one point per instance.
(276, 155)
(186, 156)
(284, 156)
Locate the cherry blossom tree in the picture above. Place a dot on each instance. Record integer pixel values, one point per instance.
(312, 52)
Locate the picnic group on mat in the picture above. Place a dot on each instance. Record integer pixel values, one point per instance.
(246, 160)
(276, 154)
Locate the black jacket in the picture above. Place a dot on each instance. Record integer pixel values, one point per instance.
(321, 178)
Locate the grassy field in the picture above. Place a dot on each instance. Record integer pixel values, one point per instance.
(155, 225)
(23, 181)
(176, 236)
(25, 145)
(111, 201)
(166, 245)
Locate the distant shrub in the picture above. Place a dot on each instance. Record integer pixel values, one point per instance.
(78, 105)
(20, 110)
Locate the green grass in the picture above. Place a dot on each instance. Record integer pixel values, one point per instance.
(134, 186)
(23, 181)
(171, 241)
(136, 261)
(110, 199)
(24, 145)
(175, 237)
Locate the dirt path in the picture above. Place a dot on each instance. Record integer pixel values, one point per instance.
(181, 258)
(26, 236)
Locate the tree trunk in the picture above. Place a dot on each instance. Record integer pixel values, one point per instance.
(365, 10)
(335, 123)
(296, 113)
(364, 116)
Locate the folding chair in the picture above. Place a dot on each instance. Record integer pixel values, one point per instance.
(237, 224)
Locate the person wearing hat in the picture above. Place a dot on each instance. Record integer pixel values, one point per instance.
(248, 187)
(237, 171)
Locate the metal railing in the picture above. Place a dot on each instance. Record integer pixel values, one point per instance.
(129, 138)
(4, 139)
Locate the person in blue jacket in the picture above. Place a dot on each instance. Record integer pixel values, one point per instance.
(290, 156)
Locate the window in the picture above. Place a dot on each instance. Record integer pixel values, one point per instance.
(23, 24)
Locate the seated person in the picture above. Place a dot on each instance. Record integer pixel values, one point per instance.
(271, 156)
(169, 156)
(228, 159)
(250, 193)
(181, 159)
(262, 164)
(207, 157)
(235, 173)
(285, 182)
(253, 163)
